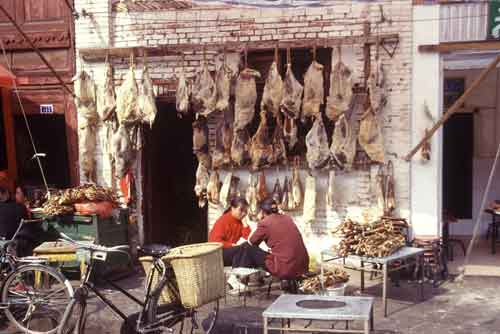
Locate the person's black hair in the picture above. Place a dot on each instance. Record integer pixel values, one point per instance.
(237, 202)
(4, 192)
(269, 206)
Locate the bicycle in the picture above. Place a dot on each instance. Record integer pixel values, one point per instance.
(33, 295)
(155, 317)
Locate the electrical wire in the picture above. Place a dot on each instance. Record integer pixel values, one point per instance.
(14, 84)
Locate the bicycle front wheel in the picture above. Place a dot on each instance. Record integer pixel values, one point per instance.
(36, 296)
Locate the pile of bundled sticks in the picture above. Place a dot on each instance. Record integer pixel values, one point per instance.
(331, 278)
(379, 239)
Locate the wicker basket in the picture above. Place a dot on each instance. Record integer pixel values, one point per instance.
(199, 270)
(166, 296)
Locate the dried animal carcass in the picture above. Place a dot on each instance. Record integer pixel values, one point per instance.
(251, 197)
(296, 187)
(240, 154)
(292, 95)
(286, 198)
(278, 143)
(310, 199)
(376, 85)
(245, 98)
(221, 156)
(340, 96)
(204, 93)
(182, 95)
(229, 189)
(318, 152)
(290, 132)
(273, 91)
(330, 194)
(370, 136)
(127, 109)
(277, 193)
(122, 152)
(200, 188)
(261, 187)
(213, 188)
(223, 87)
(313, 91)
(200, 140)
(85, 102)
(343, 148)
(261, 148)
(146, 101)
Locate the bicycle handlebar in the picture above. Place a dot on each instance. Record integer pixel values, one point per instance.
(97, 248)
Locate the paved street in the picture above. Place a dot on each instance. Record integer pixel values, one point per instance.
(469, 307)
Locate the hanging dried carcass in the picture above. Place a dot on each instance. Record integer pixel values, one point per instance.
(343, 148)
(127, 109)
(292, 95)
(370, 136)
(213, 194)
(340, 97)
(122, 152)
(200, 141)
(88, 117)
(261, 187)
(376, 85)
(234, 188)
(390, 197)
(330, 194)
(223, 87)
(251, 197)
(200, 188)
(204, 93)
(240, 154)
(146, 101)
(290, 132)
(106, 107)
(278, 143)
(296, 188)
(313, 91)
(318, 152)
(229, 189)
(285, 199)
(182, 95)
(277, 193)
(221, 155)
(261, 148)
(245, 98)
(273, 91)
(309, 214)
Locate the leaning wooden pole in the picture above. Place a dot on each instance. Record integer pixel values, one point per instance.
(42, 57)
(453, 108)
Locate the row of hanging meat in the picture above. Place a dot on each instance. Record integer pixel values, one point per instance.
(283, 104)
(122, 114)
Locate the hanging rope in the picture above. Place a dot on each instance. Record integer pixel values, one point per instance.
(36, 155)
(478, 219)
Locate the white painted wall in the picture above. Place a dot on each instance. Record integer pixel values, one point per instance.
(426, 87)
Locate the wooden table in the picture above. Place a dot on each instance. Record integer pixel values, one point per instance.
(288, 307)
(403, 253)
(494, 214)
(60, 252)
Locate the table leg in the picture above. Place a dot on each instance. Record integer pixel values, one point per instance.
(367, 326)
(265, 325)
(362, 272)
(421, 283)
(282, 326)
(493, 233)
(384, 287)
(372, 326)
(322, 272)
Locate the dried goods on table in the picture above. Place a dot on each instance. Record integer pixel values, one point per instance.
(240, 147)
(261, 187)
(182, 95)
(213, 194)
(376, 85)
(261, 147)
(313, 91)
(378, 239)
(331, 278)
(370, 136)
(343, 148)
(296, 187)
(88, 117)
(245, 98)
(273, 91)
(200, 188)
(292, 95)
(310, 194)
(290, 132)
(204, 93)
(251, 197)
(318, 152)
(330, 193)
(277, 193)
(146, 101)
(341, 81)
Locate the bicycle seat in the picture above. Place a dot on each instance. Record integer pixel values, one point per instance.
(154, 250)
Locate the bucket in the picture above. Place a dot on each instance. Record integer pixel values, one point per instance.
(335, 290)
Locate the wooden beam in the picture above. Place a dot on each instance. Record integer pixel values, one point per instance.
(98, 54)
(454, 108)
(9, 134)
(446, 47)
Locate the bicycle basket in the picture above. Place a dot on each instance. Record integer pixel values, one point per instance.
(166, 296)
(199, 271)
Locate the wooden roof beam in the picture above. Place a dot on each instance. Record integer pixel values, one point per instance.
(447, 47)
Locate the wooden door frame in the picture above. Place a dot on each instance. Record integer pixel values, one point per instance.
(9, 135)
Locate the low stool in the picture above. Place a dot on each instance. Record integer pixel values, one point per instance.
(243, 275)
(434, 262)
(286, 285)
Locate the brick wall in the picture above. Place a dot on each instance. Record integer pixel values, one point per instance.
(345, 18)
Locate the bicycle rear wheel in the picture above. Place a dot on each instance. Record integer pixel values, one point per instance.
(36, 296)
(75, 315)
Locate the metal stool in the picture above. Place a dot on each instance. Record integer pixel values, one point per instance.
(434, 263)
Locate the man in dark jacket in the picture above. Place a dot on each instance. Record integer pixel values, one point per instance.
(11, 214)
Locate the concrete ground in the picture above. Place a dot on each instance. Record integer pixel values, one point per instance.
(468, 306)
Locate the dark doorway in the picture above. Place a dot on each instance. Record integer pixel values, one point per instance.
(458, 139)
(172, 215)
(49, 135)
